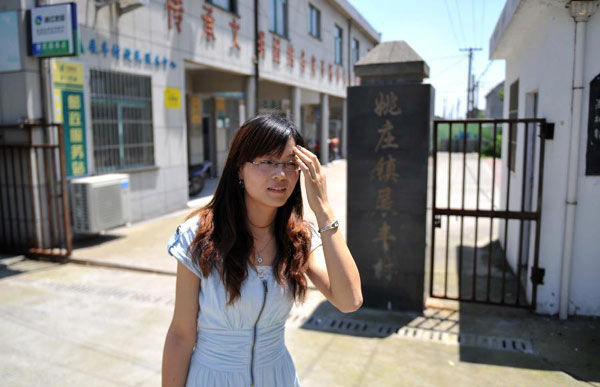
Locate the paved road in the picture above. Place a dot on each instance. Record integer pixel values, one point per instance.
(77, 325)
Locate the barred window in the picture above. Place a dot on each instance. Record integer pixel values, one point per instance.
(121, 121)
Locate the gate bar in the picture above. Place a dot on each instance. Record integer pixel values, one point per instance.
(507, 208)
(492, 204)
(462, 206)
(523, 180)
(474, 286)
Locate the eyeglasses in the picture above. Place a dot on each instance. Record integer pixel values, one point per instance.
(270, 165)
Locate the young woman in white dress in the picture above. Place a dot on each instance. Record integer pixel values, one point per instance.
(243, 261)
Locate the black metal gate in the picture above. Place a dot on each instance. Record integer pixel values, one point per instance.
(34, 210)
(489, 239)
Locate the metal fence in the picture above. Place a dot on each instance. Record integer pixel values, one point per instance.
(489, 239)
(34, 209)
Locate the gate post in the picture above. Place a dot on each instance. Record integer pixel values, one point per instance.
(389, 118)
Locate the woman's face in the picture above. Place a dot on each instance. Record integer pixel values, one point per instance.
(269, 186)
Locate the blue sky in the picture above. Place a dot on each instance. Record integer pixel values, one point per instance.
(436, 30)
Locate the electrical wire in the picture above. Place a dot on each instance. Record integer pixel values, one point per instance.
(451, 65)
(450, 18)
(460, 23)
(473, 22)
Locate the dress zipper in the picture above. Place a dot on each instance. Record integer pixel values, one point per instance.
(254, 337)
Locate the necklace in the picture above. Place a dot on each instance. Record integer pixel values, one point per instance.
(259, 259)
(261, 226)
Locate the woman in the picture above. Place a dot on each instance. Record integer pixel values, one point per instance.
(243, 260)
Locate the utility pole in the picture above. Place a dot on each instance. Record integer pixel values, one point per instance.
(469, 83)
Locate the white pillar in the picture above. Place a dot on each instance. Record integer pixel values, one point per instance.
(250, 96)
(344, 139)
(324, 154)
(295, 102)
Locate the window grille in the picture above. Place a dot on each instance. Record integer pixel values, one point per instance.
(122, 129)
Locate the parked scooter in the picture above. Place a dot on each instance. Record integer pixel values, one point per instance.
(196, 176)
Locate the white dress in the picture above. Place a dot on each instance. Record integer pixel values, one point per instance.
(241, 344)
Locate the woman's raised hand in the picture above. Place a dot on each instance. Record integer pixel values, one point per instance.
(314, 180)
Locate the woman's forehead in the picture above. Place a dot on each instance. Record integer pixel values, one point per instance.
(286, 153)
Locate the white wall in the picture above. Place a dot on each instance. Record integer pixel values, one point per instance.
(543, 62)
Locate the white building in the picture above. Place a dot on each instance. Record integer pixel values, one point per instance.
(167, 83)
(552, 54)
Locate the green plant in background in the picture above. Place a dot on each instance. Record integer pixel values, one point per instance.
(472, 132)
(488, 148)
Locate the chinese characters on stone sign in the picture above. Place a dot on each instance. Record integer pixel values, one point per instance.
(385, 104)
(385, 172)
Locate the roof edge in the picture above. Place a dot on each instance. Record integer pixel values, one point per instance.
(349, 11)
(502, 25)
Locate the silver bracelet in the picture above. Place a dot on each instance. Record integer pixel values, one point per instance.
(332, 226)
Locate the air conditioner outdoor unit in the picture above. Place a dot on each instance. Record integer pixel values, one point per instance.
(100, 202)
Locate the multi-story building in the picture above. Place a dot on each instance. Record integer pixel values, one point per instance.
(166, 83)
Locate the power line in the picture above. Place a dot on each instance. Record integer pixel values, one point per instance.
(451, 65)
(485, 70)
(460, 23)
(444, 57)
(452, 24)
(482, 21)
(473, 22)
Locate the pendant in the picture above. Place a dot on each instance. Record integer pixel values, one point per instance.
(259, 259)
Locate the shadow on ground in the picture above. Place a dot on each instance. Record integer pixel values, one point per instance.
(81, 241)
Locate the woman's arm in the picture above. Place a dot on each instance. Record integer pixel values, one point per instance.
(333, 270)
(181, 336)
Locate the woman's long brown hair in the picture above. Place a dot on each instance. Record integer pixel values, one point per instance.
(223, 240)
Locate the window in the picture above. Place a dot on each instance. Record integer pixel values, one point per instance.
(314, 21)
(279, 17)
(513, 113)
(355, 51)
(227, 5)
(337, 43)
(121, 120)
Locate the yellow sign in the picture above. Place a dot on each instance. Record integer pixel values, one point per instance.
(220, 104)
(172, 98)
(195, 110)
(69, 73)
(65, 76)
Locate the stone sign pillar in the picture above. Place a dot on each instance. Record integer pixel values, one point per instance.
(389, 118)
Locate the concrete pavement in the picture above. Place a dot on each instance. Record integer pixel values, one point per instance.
(77, 325)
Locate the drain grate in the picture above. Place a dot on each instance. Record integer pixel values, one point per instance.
(374, 329)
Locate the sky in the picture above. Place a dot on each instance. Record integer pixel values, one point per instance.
(437, 30)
